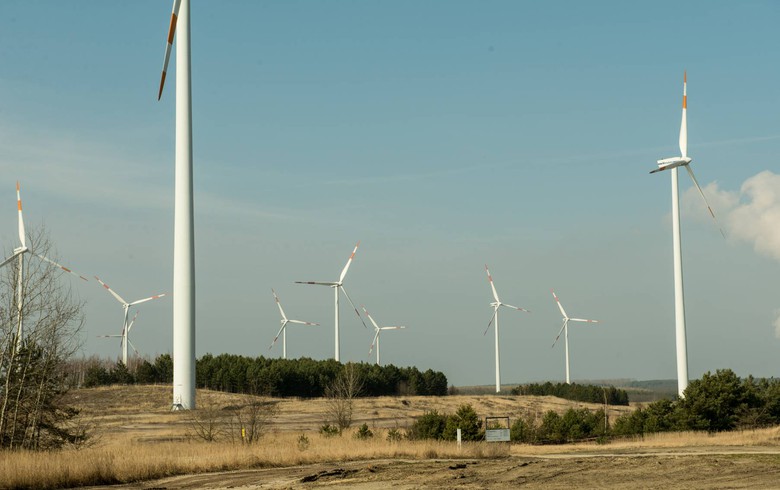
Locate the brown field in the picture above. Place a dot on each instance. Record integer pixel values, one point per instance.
(139, 443)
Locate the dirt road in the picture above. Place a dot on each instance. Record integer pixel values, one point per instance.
(689, 470)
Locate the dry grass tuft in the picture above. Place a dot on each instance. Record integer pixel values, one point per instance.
(138, 461)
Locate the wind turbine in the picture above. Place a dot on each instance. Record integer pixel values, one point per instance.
(184, 227)
(565, 330)
(124, 339)
(283, 330)
(378, 329)
(496, 305)
(339, 285)
(126, 307)
(679, 300)
(19, 253)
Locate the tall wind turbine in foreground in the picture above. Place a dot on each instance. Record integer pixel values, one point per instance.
(496, 305)
(126, 307)
(679, 301)
(19, 253)
(378, 329)
(124, 339)
(565, 330)
(339, 285)
(184, 229)
(283, 330)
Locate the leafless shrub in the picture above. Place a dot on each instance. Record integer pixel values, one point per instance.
(249, 422)
(340, 396)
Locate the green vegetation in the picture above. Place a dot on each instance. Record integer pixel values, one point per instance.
(716, 402)
(303, 377)
(433, 425)
(574, 425)
(576, 392)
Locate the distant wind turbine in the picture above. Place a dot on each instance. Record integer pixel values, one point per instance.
(283, 330)
(496, 305)
(19, 253)
(378, 329)
(565, 330)
(124, 339)
(184, 225)
(679, 301)
(126, 307)
(339, 285)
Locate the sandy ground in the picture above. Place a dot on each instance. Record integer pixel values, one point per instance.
(704, 468)
(140, 415)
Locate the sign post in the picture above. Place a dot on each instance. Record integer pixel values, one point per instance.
(497, 429)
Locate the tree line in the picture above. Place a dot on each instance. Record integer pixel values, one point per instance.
(576, 392)
(716, 402)
(305, 377)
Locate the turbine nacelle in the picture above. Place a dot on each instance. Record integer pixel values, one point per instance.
(670, 163)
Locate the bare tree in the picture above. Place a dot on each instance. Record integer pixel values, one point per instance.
(32, 384)
(340, 394)
(208, 422)
(250, 421)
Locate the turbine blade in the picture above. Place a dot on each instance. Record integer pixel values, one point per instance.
(169, 45)
(495, 312)
(138, 302)
(353, 304)
(284, 317)
(684, 123)
(113, 293)
(9, 259)
(318, 283)
(131, 322)
(560, 306)
(370, 317)
(284, 324)
(696, 183)
(565, 321)
(134, 349)
(490, 278)
(582, 320)
(107, 336)
(373, 343)
(22, 238)
(60, 266)
(302, 322)
(346, 267)
(392, 328)
(515, 307)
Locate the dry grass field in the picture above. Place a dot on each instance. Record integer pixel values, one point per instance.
(140, 443)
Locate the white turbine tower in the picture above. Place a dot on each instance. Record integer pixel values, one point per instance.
(378, 329)
(19, 253)
(126, 307)
(565, 330)
(679, 300)
(184, 227)
(339, 285)
(124, 339)
(283, 330)
(496, 305)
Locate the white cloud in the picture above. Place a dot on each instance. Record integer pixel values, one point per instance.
(751, 215)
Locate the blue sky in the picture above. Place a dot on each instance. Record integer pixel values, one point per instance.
(443, 135)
